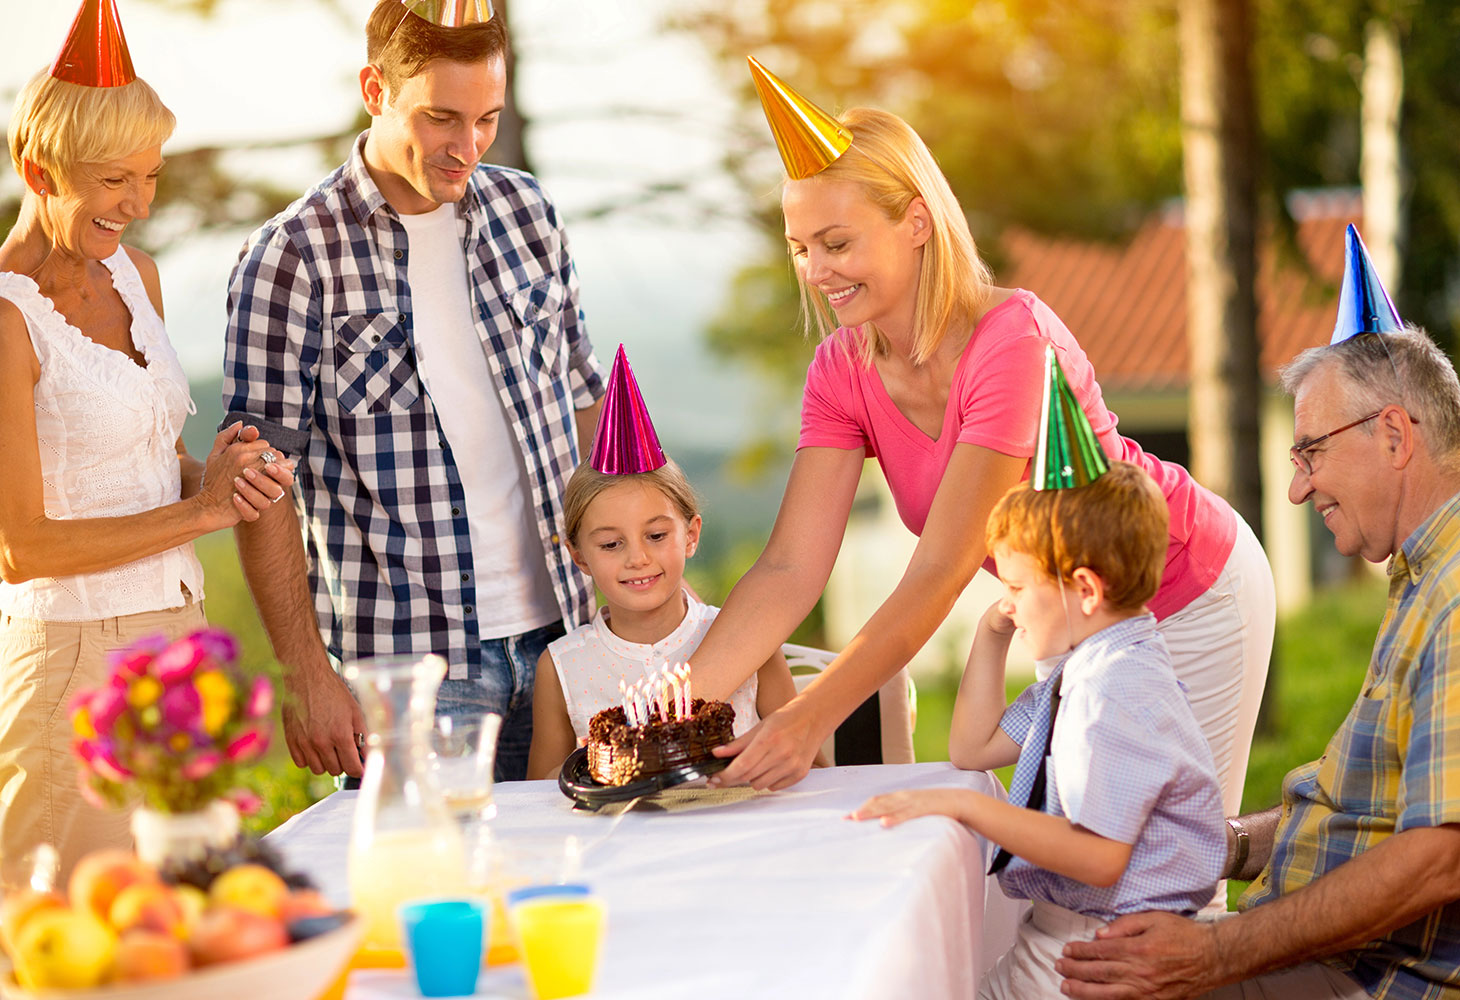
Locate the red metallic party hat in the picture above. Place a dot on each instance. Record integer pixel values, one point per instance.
(625, 442)
(95, 53)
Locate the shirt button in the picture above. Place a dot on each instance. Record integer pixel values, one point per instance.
(455, 511)
(399, 254)
(556, 539)
(468, 609)
(465, 577)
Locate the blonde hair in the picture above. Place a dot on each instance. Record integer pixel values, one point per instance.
(892, 165)
(61, 125)
(1117, 527)
(587, 482)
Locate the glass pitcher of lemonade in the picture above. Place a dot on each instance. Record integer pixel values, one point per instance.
(404, 844)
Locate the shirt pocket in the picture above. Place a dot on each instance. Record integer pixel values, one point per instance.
(538, 310)
(375, 367)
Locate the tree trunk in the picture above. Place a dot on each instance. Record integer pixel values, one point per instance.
(510, 147)
(1380, 169)
(1219, 143)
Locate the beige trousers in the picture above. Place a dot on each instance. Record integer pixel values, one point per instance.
(42, 665)
(1026, 971)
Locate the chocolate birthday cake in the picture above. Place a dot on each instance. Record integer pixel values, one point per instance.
(619, 753)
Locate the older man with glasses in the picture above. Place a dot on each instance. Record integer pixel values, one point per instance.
(1358, 871)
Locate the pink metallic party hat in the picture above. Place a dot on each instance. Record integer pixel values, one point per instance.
(625, 442)
(95, 53)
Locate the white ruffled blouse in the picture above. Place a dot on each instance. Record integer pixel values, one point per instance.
(107, 430)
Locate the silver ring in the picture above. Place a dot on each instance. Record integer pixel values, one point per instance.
(269, 457)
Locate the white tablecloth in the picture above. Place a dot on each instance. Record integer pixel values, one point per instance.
(778, 895)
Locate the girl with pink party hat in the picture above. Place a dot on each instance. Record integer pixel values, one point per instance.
(631, 522)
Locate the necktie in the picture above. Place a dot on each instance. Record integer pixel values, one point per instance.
(1036, 788)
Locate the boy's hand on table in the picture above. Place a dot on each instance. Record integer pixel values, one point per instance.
(899, 807)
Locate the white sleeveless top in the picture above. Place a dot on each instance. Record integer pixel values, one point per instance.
(591, 660)
(107, 430)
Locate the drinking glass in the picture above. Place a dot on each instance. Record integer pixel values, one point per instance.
(463, 756)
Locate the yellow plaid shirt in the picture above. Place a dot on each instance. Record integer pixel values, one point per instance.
(1394, 764)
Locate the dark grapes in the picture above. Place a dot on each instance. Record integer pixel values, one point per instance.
(201, 872)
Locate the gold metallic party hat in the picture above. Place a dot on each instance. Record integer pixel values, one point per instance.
(809, 139)
(95, 53)
(451, 13)
(1069, 453)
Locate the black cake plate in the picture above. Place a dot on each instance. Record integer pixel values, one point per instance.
(575, 781)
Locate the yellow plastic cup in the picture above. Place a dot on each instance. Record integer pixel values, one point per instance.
(559, 937)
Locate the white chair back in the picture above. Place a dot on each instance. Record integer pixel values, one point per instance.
(897, 703)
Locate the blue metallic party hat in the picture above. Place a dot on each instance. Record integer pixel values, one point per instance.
(1363, 304)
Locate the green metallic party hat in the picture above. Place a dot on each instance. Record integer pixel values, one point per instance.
(1069, 454)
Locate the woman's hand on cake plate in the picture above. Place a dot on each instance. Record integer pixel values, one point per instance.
(774, 755)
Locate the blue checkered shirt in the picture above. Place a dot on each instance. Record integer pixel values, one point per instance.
(320, 357)
(1128, 762)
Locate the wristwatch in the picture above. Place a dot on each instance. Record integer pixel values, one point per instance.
(1244, 844)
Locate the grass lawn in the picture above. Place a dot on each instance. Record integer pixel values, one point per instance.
(1319, 660)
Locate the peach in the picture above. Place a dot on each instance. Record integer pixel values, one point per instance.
(226, 934)
(302, 903)
(100, 876)
(193, 902)
(250, 887)
(63, 949)
(146, 956)
(18, 908)
(147, 905)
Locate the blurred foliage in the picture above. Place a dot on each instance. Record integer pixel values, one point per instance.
(1063, 116)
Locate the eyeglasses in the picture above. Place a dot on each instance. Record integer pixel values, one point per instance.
(1299, 453)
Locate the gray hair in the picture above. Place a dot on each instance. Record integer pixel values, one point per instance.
(1405, 369)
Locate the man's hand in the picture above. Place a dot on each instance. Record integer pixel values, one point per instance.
(776, 754)
(1158, 955)
(321, 718)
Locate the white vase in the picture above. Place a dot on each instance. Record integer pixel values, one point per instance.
(161, 836)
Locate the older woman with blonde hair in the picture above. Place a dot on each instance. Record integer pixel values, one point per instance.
(101, 500)
(938, 373)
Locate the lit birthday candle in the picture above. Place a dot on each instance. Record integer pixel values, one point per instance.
(688, 698)
(671, 690)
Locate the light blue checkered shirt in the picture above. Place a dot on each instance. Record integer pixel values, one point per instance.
(1128, 762)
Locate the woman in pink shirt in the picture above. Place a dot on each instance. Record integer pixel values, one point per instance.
(935, 371)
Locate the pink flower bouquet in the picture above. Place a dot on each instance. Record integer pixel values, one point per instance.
(172, 724)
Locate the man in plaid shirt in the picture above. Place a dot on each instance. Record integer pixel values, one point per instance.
(409, 330)
(1358, 871)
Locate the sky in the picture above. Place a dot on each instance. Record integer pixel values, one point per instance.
(269, 70)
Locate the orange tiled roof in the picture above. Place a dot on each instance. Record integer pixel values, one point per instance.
(1127, 304)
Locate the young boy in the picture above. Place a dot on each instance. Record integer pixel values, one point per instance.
(1115, 808)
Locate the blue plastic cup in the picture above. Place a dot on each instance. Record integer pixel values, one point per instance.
(444, 939)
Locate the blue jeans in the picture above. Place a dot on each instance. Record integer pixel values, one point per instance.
(504, 686)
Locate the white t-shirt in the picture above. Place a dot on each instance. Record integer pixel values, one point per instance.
(514, 592)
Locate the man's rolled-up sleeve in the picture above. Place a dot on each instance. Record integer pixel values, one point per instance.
(272, 347)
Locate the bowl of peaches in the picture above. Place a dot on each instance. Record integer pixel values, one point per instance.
(229, 926)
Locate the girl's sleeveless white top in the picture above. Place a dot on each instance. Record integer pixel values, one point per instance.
(107, 430)
(591, 660)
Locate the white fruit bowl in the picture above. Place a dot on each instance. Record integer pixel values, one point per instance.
(299, 972)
